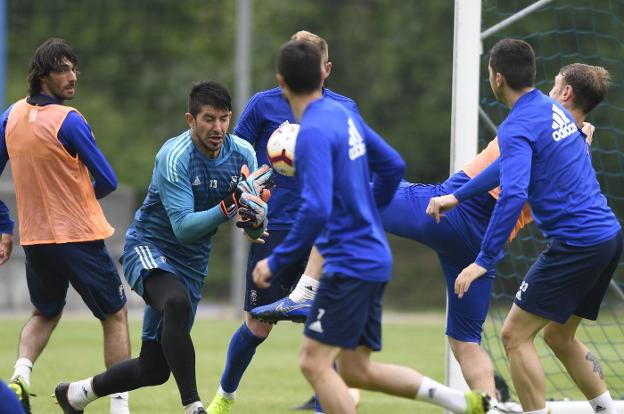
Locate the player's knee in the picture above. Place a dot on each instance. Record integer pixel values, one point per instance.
(258, 328)
(308, 365)
(556, 341)
(178, 306)
(509, 338)
(354, 376)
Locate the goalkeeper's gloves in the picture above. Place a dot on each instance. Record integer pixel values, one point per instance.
(252, 212)
(257, 183)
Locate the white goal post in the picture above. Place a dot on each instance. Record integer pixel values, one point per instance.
(467, 51)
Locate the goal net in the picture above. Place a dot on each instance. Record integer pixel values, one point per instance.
(561, 32)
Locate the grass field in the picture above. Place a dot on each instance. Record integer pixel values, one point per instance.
(271, 385)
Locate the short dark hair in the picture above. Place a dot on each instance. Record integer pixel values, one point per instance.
(590, 84)
(515, 60)
(299, 63)
(208, 93)
(47, 58)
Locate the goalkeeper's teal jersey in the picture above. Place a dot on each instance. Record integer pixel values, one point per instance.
(181, 212)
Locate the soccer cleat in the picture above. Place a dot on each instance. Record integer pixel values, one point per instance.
(283, 310)
(220, 405)
(200, 410)
(478, 402)
(60, 392)
(19, 387)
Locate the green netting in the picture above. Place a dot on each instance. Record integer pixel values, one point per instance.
(564, 32)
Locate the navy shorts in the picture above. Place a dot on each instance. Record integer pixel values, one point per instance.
(50, 268)
(457, 240)
(281, 283)
(569, 280)
(346, 312)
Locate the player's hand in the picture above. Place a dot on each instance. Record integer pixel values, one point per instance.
(258, 183)
(252, 212)
(466, 277)
(6, 247)
(259, 240)
(588, 129)
(439, 205)
(262, 273)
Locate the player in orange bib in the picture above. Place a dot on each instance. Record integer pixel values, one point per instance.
(61, 224)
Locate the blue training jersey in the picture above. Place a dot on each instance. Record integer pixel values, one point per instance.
(181, 211)
(544, 160)
(336, 153)
(264, 113)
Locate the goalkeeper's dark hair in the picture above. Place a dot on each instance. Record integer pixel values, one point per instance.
(299, 63)
(515, 60)
(208, 93)
(47, 58)
(590, 84)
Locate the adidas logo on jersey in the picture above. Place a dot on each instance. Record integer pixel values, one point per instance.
(196, 182)
(561, 125)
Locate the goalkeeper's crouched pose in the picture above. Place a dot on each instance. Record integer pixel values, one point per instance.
(200, 181)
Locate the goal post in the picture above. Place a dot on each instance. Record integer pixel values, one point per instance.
(561, 32)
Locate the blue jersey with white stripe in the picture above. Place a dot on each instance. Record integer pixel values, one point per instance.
(264, 113)
(336, 153)
(544, 160)
(181, 211)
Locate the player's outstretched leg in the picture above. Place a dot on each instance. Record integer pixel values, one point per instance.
(295, 307)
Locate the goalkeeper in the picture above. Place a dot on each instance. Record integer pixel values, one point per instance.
(457, 238)
(194, 188)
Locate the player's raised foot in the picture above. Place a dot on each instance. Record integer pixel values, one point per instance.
(220, 405)
(60, 392)
(478, 402)
(283, 310)
(20, 388)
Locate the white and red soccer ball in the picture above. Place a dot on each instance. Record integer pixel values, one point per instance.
(281, 149)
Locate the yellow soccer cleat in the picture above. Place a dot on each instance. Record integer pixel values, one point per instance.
(477, 402)
(220, 405)
(20, 388)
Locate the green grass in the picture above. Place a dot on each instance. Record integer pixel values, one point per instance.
(271, 385)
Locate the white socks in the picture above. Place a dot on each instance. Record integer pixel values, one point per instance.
(305, 289)
(603, 404)
(80, 393)
(228, 395)
(193, 407)
(542, 411)
(23, 368)
(442, 395)
(119, 403)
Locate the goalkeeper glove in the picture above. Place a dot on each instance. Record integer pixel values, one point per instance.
(258, 183)
(252, 213)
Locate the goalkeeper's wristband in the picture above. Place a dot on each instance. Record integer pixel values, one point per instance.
(229, 205)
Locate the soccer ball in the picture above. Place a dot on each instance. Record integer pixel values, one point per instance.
(281, 149)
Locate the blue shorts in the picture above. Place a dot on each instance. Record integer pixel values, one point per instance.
(139, 260)
(281, 283)
(346, 312)
(569, 280)
(50, 268)
(457, 240)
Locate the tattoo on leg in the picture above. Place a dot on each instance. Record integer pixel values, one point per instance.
(597, 368)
